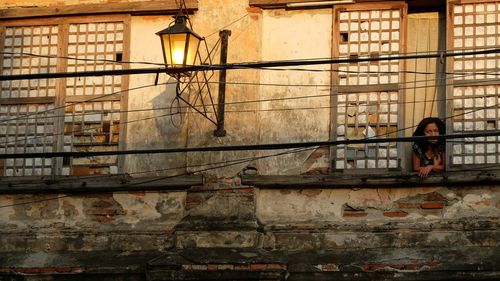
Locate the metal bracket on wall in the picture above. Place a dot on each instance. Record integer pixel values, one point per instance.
(195, 91)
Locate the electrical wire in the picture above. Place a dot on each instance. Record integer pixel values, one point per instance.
(247, 83)
(88, 129)
(4, 53)
(261, 68)
(252, 159)
(253, 111)
(94, 98)
(228, 25)
(270, 146)
(222, 165)
(245, 65)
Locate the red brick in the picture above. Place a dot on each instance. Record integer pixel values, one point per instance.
(99, 195)
(77, 269)
(27, 270)
(225, 267)
(408, 205)
(276, 266)
(303, 226)
(258, 266)
(434, 196)
(329, 267)
(196, 188)
(242, 267)
(104, 219)
(349, 208)
(254, 10)
(137, 193)
(433, 205)
(248, 198)
(209, 179)
(413, 266)
(63, 269)
(431, 212)
(311, 192)
(112, 212)
(102, 204)
(247, 190)
(431, 264)
(225, 190)
(80, 171)
(195, 198)
(355, 214)
(397, 266)
(399, 214)
(486, 202)
(373, 266)
(199, 266)
(315, 155)
(211, 266)
(47, 270)
(189, 206)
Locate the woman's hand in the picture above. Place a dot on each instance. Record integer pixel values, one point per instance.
(424, 171)
(438, 159)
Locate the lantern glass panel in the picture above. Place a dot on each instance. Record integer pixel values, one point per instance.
(174, 45)
(194, 42)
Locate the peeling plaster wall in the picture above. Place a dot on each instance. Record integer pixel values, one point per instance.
(157, 128)
(90, 222)
(290, 35)
(244, 45)
(352, 206)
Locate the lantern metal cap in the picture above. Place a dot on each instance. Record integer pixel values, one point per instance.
(179, 27)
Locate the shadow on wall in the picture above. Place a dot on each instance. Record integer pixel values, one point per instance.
(169, 113)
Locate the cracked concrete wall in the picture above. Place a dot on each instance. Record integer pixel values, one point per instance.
(411, 205)
(93, 222)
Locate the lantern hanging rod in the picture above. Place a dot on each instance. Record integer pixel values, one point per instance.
(247, 65)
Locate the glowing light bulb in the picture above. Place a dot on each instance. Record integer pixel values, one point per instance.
(178, 56)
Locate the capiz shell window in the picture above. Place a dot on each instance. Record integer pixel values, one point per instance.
(70, 114)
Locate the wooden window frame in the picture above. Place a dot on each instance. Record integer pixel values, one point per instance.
(452, 83)
(61, 83)
(134, 8)
(336, 89)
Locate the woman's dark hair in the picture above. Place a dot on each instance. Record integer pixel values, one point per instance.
(424, 145)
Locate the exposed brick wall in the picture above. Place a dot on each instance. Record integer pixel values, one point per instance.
(424, 205)
(103, 208)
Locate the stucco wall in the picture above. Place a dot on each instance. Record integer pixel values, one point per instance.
(244, 46)
(38, 231)
(158, 126)
(376, 205)
(294, 35)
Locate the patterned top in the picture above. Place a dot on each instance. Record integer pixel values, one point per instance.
(424, 159)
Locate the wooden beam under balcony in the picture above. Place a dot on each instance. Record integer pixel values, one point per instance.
(134, 8)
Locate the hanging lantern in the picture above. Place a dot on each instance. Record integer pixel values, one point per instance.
(179, 43)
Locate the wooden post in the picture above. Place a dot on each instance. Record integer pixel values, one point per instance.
(224, 36)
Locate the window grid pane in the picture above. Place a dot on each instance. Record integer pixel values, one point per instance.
(27, 107)
(27, 126)
(368, 114)
(475, 108)
(93, 126)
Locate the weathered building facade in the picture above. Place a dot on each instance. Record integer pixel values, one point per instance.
(352, 211)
